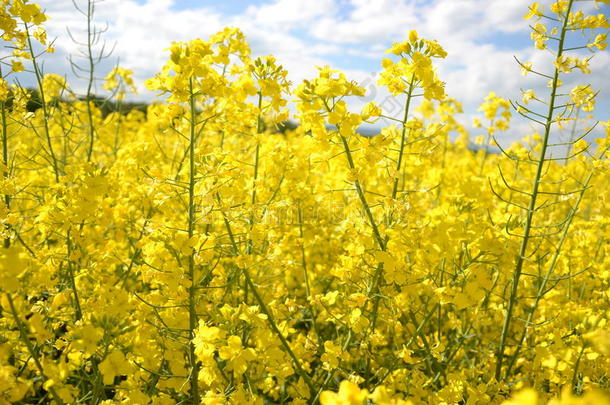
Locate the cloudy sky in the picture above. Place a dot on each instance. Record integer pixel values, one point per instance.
(481, 37)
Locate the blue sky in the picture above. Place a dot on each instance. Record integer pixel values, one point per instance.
(481, 37)
(226, 7)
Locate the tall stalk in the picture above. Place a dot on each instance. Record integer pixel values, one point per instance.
(78, 312)
(43, 104)
(365, 205)
(87, 72)
(34, 354)
(373, 292)
(192, 304)
(5, 171)
(403, 136)
(259, 130)
(265, 309)
(21, 326)
(514, 291)
(90, 41)
(54, 162)
(542, 288)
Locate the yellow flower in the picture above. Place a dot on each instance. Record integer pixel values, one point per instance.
(600, 42)
(331, 355)
(525, 397)
(114, 365)
(526, 68)
(13, 263)
(528, 95)
(17, 66)
(535, 10)
(349, 394)
(237, 356)
(559, 7)
(370, 110)
(52, 85)
(120, 80)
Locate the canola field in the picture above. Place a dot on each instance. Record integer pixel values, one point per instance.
(197, 254)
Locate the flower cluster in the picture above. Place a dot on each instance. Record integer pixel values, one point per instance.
(202, 252)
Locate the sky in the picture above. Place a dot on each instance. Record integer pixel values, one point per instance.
(482, 38)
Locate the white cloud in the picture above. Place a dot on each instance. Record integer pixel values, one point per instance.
(306, 33)
(369, 22)
(139, 33)
(142, 31)
(286, 14)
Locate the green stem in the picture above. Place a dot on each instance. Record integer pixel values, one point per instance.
(90, 39)
(78, 314)
(279, 334)
(303, 258)
(265, 310)
(403, 136)
(331, 373)
(485, 151)
(549, 272)
(193, 319)
(531, 210)
(365, 205)
(575, 389)
(38, 74)
(43, 103)
(443, 167)
(374, 290)
(259, 130)
(23, 334)
(117, 133)
(306, 275)
(5, 172)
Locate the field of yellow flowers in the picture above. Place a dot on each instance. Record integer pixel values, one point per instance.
(194, 254)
